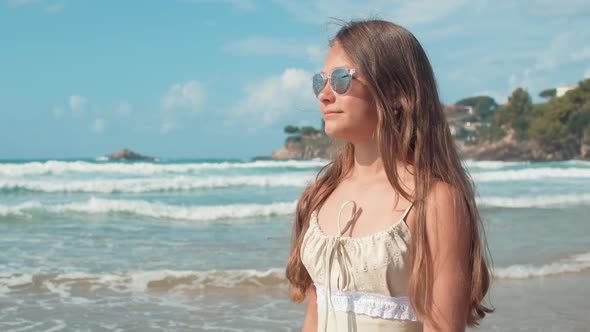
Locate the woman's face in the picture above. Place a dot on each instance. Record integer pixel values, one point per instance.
(351, 117)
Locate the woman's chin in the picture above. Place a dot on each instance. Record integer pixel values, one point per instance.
(330, 131)
(335, 133)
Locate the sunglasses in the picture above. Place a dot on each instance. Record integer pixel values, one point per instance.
(340, 81)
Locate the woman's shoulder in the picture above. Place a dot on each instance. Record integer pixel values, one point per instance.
(444, 198)
(447, 215)
(442, 190)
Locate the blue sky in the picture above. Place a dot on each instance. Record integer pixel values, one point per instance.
(221, 78)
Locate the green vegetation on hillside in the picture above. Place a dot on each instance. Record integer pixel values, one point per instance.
(562, 124)
(296, 134)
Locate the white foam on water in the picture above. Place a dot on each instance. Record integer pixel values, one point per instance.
(531, 174)
(16, 280)
(536, 201)
(143, 168)
(572, 264)
(59, 325)
(30, 326)
(170, 184)
(4, 290)
(74, 276)
(63, 290)
(208, 213)
(578, 163)
(141, 281)
(156, 210)
(19, 209)
(492, 164)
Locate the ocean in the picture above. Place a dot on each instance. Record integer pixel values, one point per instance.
(201, 245)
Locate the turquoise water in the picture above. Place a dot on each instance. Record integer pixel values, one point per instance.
(202, 244)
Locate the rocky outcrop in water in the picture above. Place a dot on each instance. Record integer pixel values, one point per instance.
(129, 155)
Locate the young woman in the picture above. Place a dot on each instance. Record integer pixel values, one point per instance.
(387, 237)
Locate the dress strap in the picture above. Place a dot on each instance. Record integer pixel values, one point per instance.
(407, 211)
(352, 217)
(334, 253)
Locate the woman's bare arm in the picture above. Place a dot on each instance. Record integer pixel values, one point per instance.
(449, 237)
(310, 324)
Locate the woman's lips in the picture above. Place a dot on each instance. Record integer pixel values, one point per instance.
(331, 113)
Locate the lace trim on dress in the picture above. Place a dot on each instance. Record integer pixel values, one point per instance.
(373, 305)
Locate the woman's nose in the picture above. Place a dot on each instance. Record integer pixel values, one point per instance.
(326, 95)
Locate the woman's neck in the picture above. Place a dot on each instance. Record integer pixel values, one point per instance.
(368, 165)
(367, 162)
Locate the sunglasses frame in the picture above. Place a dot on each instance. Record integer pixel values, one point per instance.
(326, 78)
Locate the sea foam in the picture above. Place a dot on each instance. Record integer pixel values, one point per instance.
(572, 264)
(142, 168)
(155, 210)
(145, 185)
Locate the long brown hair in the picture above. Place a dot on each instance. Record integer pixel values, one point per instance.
(411, 129)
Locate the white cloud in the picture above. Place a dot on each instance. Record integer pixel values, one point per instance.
(527, 80)
(167, 126)
(444, 32)
(400, 11)
(587, 73)
(423, 11)
(77, 103)
(184, 96)
(556, 52)
(562, 49)
(532, 60)
(418, 12)
(257, 45)
(50, 6)
(316, 53)
(98, 126)
(123, 109)
(563, 8)
(57, 7)
(581, 54)
(18, 3)
(244, 5)
(512, 80)
(539, 41)
(210, 23)
(181, 99)
(500, 98)
(58, 112)
(241, 4)
(268, 100)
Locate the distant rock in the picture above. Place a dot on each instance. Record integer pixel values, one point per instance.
(127, 154)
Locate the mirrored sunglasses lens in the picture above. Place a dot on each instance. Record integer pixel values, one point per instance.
(341, 80)
(318, 83)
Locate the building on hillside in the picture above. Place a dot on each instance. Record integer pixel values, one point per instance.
(561, 90)
(454, 108)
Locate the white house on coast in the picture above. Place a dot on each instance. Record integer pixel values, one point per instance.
(561, 90)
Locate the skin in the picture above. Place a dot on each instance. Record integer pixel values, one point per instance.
(353, 117)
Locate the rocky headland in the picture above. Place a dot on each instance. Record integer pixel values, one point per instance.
(517, 130)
